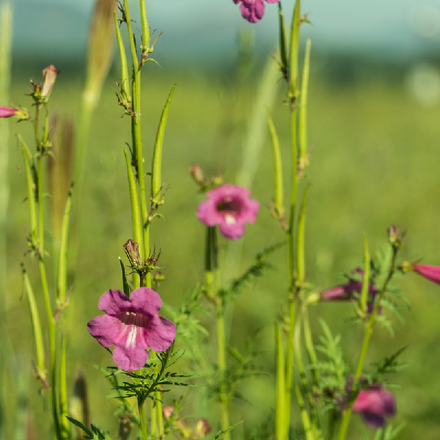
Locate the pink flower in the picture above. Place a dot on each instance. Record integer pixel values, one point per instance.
(230, 207)
(7, 112)
(432, 273)
(253, 10)
(375, 403)
(132, 325)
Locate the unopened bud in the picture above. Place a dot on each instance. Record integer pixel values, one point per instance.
(395, 237)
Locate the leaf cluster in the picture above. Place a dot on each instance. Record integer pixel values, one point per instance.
(153, 377)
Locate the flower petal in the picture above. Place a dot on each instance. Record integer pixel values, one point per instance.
(233, 230)
(252, 11)
(105, 329)
(432, 273)
(146, 301)
(160, 334)
(272, 1)
(114, 302)
(250, 213)
(130, 358)
(207, 213)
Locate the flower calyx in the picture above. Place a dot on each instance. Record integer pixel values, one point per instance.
(204, 183)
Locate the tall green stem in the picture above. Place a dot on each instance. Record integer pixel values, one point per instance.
(142, 420)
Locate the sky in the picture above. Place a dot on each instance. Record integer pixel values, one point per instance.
(392, 29)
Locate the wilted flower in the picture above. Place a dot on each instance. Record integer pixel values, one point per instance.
(230, 207)
(253, 10)
(432, 273)
(375, 403)
(132, 325)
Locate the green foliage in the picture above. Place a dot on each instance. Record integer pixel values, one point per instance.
(152, 378)
(94, 433)
(388, 433)
(333, 368)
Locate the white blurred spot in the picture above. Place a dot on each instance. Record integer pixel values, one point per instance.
(423, 84)
(424, 20)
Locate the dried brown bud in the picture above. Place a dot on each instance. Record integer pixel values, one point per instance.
(50, 74)
(202, 428)
(197, 174)
(132, 250)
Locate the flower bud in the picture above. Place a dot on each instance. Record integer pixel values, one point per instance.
(7, 112)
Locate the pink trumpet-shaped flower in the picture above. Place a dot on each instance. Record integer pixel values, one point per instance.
(7, 112)
(230, 207)
(132, 325)
(375, 403)
(253, 10)
(432, 273)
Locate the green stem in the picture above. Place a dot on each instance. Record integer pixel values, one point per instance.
(64, 422)
(367, 335)
(291, 268)
(142, 420)
(221, 347)
(280, 424)
(137, 137)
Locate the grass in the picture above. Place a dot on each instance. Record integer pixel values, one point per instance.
(374, 162)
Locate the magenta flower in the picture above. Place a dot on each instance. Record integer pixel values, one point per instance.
(375, 403)
(7, 112)
(132, 325)
(253, 10)
(348, 290)
(432, 273)
(230, 207)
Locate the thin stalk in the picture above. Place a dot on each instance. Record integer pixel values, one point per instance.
(366, 277)
(303, 378)
(159, 409)
(310, 348)
(142, 420)
(6, 20)
(304, 415)
(153, 423)
(221, 349)
(291, 267)
(300, 241)
(367, 335)
(64, 422)
(211, 280)
(137, 137)
(135, 213)
(36, 326)
(62, 259)
(281, 433)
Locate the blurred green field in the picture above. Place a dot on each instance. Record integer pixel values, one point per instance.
(375, 161)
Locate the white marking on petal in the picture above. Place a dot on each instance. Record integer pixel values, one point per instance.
(230, 219)
(131, 339)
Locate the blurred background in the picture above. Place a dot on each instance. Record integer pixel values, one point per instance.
(374, 136)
